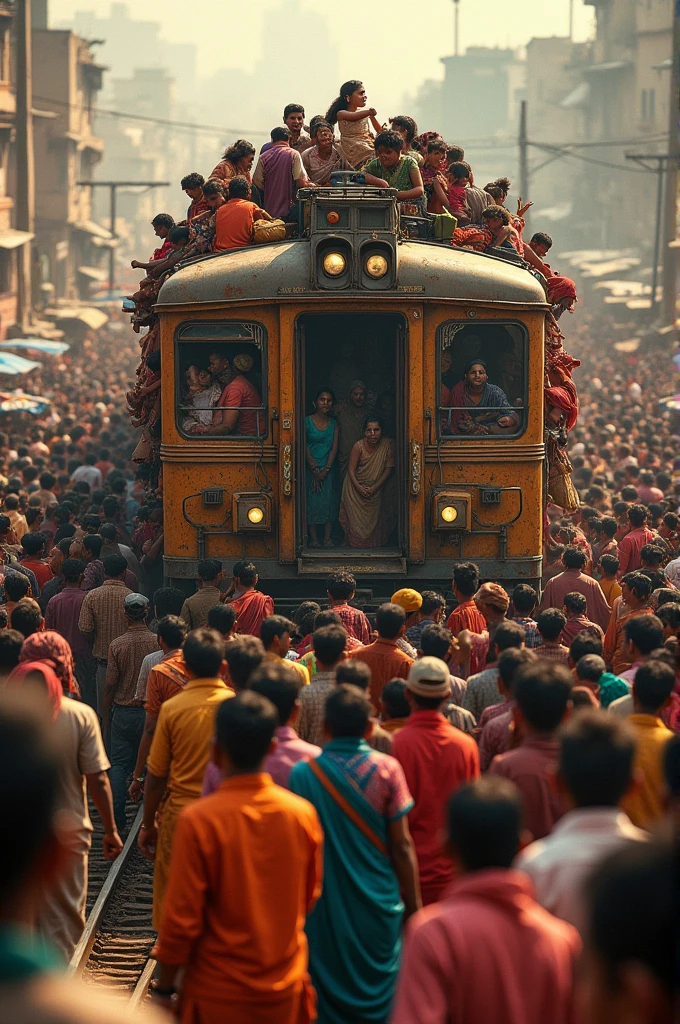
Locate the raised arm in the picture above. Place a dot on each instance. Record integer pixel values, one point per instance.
(418, 188)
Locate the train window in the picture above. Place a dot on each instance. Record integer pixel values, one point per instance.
(482, 371)
(221, 380)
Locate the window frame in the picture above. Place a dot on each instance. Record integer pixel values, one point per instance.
(439, 349)
(260, 342)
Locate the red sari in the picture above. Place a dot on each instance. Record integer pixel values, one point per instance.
(251, 608)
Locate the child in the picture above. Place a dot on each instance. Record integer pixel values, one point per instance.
(350, 113)
(433, 171)
(458, 178)
(609, 566)
(201, 397)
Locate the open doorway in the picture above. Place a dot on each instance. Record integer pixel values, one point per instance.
(357, 360)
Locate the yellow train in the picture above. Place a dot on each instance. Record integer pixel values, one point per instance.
(350, 300)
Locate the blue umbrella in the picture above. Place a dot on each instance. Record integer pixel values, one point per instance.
(9, 363)
(17, 401)
(50, 348)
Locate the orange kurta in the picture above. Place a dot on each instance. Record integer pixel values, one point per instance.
(246, 870)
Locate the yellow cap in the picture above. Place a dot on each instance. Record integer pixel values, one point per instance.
(409, 600)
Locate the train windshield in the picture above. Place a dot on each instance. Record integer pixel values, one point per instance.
(482, 379)
(221, 380)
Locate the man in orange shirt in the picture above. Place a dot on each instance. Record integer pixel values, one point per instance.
(466, 615)
(234, 219)
(636, 589)
(246, 871)
(383, 657)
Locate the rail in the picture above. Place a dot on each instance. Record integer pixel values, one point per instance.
(114, 949)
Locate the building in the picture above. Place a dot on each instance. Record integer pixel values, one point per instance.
(66, 80)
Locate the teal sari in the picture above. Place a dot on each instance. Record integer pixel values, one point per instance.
(354, 931)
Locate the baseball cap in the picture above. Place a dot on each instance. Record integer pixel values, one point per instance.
(409, 600)
(136, 605)
(429, 677)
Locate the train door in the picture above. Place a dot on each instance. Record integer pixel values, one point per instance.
(359, 360)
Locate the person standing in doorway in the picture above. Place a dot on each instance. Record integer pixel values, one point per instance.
(323, 496)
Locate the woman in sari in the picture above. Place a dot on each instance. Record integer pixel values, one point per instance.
(354, 931)
(366, 512)
(51, 649)
(321, 159)
(321, 434)
(237, 160)
(474, 390)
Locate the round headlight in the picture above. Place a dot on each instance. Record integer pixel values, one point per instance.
(376, 266)
(449, 514)
(255, 515)
(332, 217)
(334, 264)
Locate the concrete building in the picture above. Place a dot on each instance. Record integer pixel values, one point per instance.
(66, 80)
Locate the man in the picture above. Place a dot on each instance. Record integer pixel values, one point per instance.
(341, 587)
(251, 606)
(644, 634)
(356, 673)
(33, 545)
(279, 174)
(610, 686)
(15, 516)
(465, 615)
(574, 579)
(430, 613)
(542, 697)
(437, 758)
(192, 185)
(166, 678)
(294, 120)
(594, 773)
(238, 932)
(354, 931)
(90, 548)
(58, 554)
(631, 545)
(395, 708)
(102, 618)
(63, 615)
(574, 609)
(652, 689)
(109, 534)
(636, 589)
(179, 753)
(234, 219)
(383, 657)
(277, 684)
(238, 410)
(495, 727)
(27, 618)
(329, 650)
(275, 636)
(541, 243)
(16, 588)
(243, 656)
(551, 623)
(208, 577)
(47, 496)
(436, 642)
(87, 473)
(482, 689)
(487, 951)
(125, 712)
(524, 601)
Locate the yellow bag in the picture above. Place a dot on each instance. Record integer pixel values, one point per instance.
(268, 231)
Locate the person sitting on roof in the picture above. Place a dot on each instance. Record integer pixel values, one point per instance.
(391, 169)
(234, 221)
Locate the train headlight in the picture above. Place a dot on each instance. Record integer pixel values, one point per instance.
(334, 264)
(376, 266)
(449, 514)
(255, 515)
(451, 510)
(252, 511)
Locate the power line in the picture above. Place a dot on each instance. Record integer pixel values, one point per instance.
(558, 151)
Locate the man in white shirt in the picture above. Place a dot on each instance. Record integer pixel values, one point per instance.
(88, 473)
(595, 771)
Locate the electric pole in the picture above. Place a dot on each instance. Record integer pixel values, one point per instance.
(113, 186)
(456, 28)
(523, 142)
(668, 256)
(665, 168)
(25, 187)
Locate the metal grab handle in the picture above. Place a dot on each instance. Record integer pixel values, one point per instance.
(416, 466)
(287, 470)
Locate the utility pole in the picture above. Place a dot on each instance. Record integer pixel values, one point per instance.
(523, 143)
(668, 256)
(113, 186)
(571, 21)
(665, 168)
(456, 28)
(25, 188)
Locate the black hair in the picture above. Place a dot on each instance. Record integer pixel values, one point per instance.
(590, 667)
(645, 631)
(639, 583)
(484, 821)
(244, 728)
(114, 565)
(209, 569)
(27, 617)
(388, 140)
(91, 522)
(304, 616)
(239, 187)
(203, 652)
(16, 586)
(542, 692)
(353, 672)
(395, 700)
(652, 686)
(11, 642)
(347, 712)
(243, 656)
(327, 617)
(474, 362)
(373, 418)
(325, 391)
(47, 480)
(180, 233)
(72, 569)
(172, 629)
(610, 564)
(192, 180)
(389, 620)
(550, 623)
(435, 641)
(508, 635)
(466, 578)
(108, 531)
(629, 493)
(637, 514)
(342, 101)
(314, 126)
(279, 134)
(575, 602)
(280, 684)
(524, 598)
(510, 661)
(596, 758)
(328, 643)
(222, 617)
(573, 557)
(215, 187)
(459, 169)
(163, 220)
(341, 585)
(33, 543)
(541, 238)
(588, 641)
(652, 554)
(245, 572)
(431, 602)
(275, 626)
(408, 124)
(168, 601)
(237, 152)
(293, 108)
(496, 213)
(668, 614)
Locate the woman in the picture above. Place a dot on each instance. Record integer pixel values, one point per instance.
(350, 113)
(322, 158)
(321, 433)
(366, 512)
(237, 159)
(391, 169)
(475, 390)
(408, 129)
(202, 235)
(51, 649)
(201, 397)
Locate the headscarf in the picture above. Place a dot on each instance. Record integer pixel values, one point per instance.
(51, 648)
(355, 384)
(564, 398)
(560, 288)
(18, 675)
(493, 596)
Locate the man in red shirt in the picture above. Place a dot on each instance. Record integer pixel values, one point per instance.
(251, 606)
(237, 409)
(383, 657)
(341, 587)
(631, 545)
(574, 580)
(234, 220)
(34, 548)
(466, 615)
(542, 698)
(437, 758)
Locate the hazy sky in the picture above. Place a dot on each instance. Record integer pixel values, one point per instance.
(393, 45)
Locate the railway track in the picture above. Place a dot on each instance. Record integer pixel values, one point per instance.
(115, 947)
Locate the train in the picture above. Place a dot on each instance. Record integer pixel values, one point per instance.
(361, 295)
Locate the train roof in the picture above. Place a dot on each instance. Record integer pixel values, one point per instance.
(278, 270)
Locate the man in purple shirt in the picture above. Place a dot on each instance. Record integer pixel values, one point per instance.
(279, 173)
(280, 684)
(61, 615)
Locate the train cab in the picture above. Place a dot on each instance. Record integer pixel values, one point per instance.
(442, 347)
